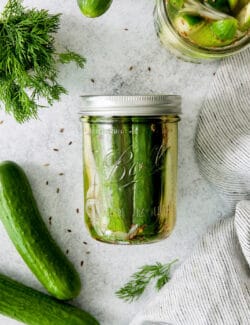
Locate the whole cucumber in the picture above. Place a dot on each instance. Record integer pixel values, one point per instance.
(94, 8)
(20, 216)
(35, 308)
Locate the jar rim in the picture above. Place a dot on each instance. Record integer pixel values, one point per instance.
(135, 105)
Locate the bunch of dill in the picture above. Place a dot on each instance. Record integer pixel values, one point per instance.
(28, 60)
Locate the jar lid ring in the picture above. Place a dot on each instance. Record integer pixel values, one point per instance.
(137, 105)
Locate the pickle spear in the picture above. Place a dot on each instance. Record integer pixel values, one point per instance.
(143, 178)
(169, 178)
(111, 146)
(93, 196)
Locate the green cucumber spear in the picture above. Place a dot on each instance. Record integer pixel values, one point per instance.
(143, 178)
(111, 145)
(169, 177)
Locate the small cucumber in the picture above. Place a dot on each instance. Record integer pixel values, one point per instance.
(20, 216)
(94, 8)
(35, 308)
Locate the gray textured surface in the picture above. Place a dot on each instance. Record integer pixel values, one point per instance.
(110, 51)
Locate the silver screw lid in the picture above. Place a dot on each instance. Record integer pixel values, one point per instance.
(138, 105)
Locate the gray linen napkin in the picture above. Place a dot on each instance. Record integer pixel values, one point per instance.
(213, 286)
(223, 134)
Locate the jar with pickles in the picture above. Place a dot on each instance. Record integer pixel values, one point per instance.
(130, 167)
(197, 30)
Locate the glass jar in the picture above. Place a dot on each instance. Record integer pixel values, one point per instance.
(195, 30)
(130, 167)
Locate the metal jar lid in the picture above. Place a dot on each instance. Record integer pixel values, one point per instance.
(145, 105)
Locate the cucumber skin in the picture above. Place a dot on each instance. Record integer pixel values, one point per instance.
(116, 196)
(122, 145)
(169, 177)
(35, 308)
(20, 216)
(210, 35)
(143, 173)
(94, 8)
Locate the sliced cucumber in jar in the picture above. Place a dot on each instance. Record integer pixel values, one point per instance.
(186, 24)
(225, 30)
(215, 34)
(143, 188)
(110, 145)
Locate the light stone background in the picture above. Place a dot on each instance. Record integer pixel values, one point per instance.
(110, 52)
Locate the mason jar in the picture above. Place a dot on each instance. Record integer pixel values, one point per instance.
(203, 30)
(130, 146)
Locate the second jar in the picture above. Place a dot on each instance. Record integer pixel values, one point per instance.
(130, 167)
(198, 30)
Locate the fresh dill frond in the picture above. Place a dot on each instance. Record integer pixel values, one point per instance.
(140, 280)
(70, 56)
(28, 60)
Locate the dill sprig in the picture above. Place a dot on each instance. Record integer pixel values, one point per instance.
(70, 56)
(28, 59)
(139, 280)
